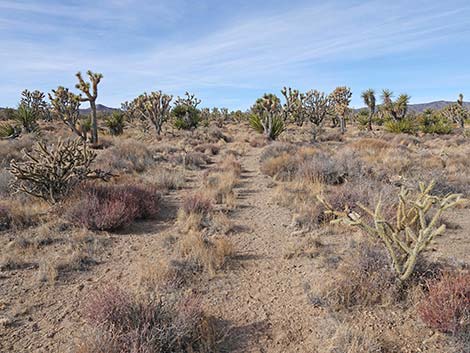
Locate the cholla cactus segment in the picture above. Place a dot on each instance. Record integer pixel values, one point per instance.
(416, 224)
(154, 107)
(51, 172)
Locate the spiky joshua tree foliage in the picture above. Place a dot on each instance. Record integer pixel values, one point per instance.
(267, 117)
(397, 109)
(416, 224)
(51, 172)
(317, 106)
(340, 98)
(90, 89)
(153, 107)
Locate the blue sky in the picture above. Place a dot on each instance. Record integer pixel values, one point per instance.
(231, 52)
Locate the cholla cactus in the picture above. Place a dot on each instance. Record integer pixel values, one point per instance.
(52, 172)
(153, 107)
(340, 99)
(457, 112)
(267, 116)
(369, 100)
(66, 106)
(90, 96)
(396, 109)
(293, 108)
(317, 107)
(416, 225)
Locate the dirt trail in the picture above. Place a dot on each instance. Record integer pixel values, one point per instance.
(263, 293)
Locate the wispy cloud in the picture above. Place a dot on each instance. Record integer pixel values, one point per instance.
(251, 51)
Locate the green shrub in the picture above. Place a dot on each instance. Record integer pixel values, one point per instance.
(406, 126)
(434, 123)
(115, 123)
(186, 117)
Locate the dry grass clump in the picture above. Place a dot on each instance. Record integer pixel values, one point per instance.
(110, 207)
(5, 180)
(124, 323)
(16, 214)
(194, 212)
(12, 149)
(168, 179)
(220, 183)
(446, 304)
(127, 156)
(363, 279)
(210, 253)
(354, 339)
(208, 148)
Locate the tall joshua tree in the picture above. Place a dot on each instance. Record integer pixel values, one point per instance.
(317, 108)
(66, 106)
(153, 107)
(90, 96)
(457, 112)
(340, 98)
(293, 107)
(369, 99)
(396, 109)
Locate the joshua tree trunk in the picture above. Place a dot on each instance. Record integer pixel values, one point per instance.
(371, 114)
(342, 123)
(94, 123)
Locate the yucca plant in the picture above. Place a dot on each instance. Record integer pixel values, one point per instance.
(26, 118)
(115, 123)
(278, 126)
(8, 131)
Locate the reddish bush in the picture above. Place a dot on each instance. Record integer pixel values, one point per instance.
(196, 203)
(132, 325)
(110, 207)
(446, 306)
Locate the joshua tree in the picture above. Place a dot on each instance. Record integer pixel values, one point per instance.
(293, 108)
(190, 100)
(35, 102)
(369, 99)
(457, 112)
(153, 107)
(317, 107)
(340, 98)
(398, 109)
(90, 96)
(66, 105)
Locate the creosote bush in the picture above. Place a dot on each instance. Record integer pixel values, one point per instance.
(446, 305)
(124, 323)
(110, 207)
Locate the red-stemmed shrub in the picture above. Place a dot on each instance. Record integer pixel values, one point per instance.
(145, 325)
(110, 207)
(446, 306)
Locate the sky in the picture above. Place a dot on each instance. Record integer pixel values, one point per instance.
(230, 52)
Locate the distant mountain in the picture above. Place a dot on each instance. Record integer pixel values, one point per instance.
(100, 108)
(419, 108)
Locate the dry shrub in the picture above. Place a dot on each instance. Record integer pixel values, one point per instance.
(5, 218)
(354, 339)
(208, 148)
(215, 134)
(110, 207)
(191, 160)
(209, 253)
(126, 156)
(259, 141)
(5, 180)
(446, 305)
(196, 203)
(364, 279)
(133, 325)
(12, 149)
(169, 179)
(277, 149)
(19, 215)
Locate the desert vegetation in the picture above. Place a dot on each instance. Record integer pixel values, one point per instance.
(300, 225)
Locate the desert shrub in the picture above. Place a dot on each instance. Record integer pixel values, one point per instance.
(169, 179)
(208, 148)
(277, 149)
(9, 131)
(434, 123)
(191, 160)
(110, 207)
(324, 168)
(196, 203)
(5, 180)
(446, 305)
(127, 156)
(354, 339)
(216, 134)
(405, 126)
(13, 149)
(5, 218)
(115, 123)
(364, 279)
(186, 117)
(51, 172)
(133, 325)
